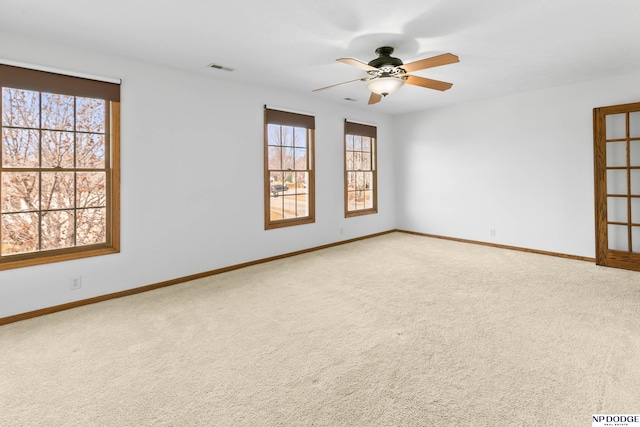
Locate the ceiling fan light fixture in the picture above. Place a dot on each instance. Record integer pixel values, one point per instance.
(385, 85)
(387, 74)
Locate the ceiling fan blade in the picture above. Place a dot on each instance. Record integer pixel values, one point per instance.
(374, 98)
(435, 61)
(428, 83)
(338, 84)
(356, 63)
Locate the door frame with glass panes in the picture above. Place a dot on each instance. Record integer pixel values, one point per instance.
(616, 135)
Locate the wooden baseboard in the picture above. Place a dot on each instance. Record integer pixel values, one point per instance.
(74, 304)
(513, 248)
(67, 306)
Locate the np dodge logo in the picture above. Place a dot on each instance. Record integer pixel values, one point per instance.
(610, 420)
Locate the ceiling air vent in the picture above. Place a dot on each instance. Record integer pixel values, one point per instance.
(219, 67)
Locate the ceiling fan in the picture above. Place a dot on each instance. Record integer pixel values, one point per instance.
(388, 74)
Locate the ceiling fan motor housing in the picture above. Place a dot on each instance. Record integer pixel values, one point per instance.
(385, 59)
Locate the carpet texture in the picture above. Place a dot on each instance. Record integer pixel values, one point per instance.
(396, 330)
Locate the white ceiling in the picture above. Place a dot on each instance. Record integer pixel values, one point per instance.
(505, 46)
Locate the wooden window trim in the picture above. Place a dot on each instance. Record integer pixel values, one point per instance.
(351, 128)
(42, 81)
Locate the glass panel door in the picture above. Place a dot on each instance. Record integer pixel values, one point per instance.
(617, 185)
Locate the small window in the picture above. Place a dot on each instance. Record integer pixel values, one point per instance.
(59, 184)
(289, 177)
(360, 190)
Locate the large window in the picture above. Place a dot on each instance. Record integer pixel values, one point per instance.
(289, 178)
(360, 169)
(59, 167)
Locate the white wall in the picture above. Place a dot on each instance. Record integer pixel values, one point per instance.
(192, 179)
(521, 165)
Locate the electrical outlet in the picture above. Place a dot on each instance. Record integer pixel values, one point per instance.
(75, 283)
(493, 232)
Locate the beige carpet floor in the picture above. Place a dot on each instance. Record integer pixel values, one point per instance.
(396, 330)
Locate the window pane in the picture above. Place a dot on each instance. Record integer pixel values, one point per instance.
(366, 161)
(302, 205)
(20, 108)
(635, 210)
(300, 137)
(357, 142)
(635, 182)
(276, 207)
(90, 115)
(634, 153)
(91, 226)
(368, 202)
(288, 178)
(287, 136)
(276, 177)
(351, 180)
(90, 151)
(57, 190)
(357, 160)
(287, 158)
(91, 189)
(57, 149)
(368, 180)
(618, 238)
(274, 135)
(616, 126)
(298, 205)
(289, 206)
(616, 153)
(634, 124)
(349, 160)
(20, 148)
(616, 182)
(300, 161)
(57, 229)
(349, 142)
(635, 239)
(275, 158)
(19, 233)
(351, 201)
(366, 143)
(57, 112)
(301, 182)
(20, 191)
(617, 209)
(359, 180)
